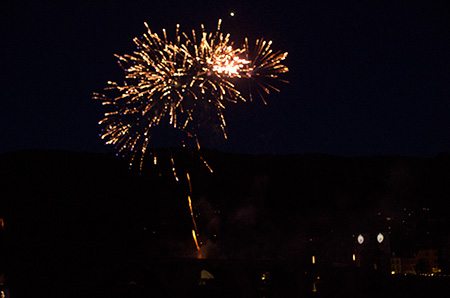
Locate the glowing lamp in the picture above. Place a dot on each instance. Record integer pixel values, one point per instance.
(380, 238)
(360, 239)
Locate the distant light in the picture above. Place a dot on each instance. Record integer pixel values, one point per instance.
(354, 257)
(232, 14)
(313, 259)
(360, 239)
(380, 238)
(392, 272)
(314, 288)
(206, 275)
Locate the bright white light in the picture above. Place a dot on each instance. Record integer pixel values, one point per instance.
(380, 238)
(360, 239)
(228, 64)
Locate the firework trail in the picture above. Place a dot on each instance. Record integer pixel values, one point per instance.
(190, 204)
(185, 84)
(195, 239)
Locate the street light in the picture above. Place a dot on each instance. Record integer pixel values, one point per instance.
(360, 239)
(380, 237)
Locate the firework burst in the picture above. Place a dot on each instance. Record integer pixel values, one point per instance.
(185, 83)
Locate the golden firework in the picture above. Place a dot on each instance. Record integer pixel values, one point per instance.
(185, 83)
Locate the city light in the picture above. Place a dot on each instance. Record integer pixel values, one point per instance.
(360, 239)
(380, 238)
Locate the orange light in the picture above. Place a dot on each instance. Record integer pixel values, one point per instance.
(195, 239)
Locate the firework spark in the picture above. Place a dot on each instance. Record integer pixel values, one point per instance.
(190, 204)
(185, 83)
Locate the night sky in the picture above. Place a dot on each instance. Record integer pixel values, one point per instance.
(366, 77)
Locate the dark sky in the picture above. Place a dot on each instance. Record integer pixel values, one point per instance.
(367, 77)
